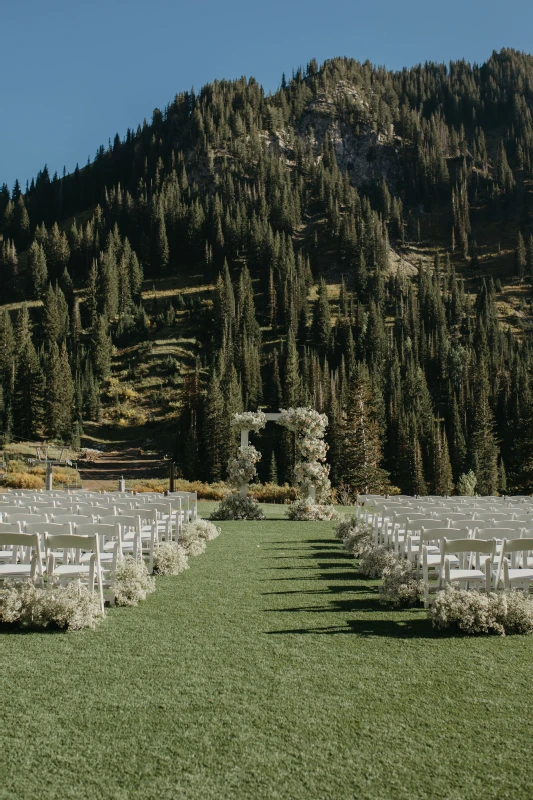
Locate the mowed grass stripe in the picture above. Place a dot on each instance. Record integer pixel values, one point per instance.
(267, 670)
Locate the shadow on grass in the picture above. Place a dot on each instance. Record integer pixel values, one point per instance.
(347, 606)
(14, 629)
(304, 541)
(338, 576)
(320, 554)
(370, 628)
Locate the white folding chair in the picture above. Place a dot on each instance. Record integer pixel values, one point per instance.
(25, 563)
(517, 572)
(149, 531)
(71, 568)
(413, 542)
(469, 570)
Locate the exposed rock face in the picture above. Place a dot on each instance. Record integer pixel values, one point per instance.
(365, 153)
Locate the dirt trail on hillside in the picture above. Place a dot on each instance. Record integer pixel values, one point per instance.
(103, 471)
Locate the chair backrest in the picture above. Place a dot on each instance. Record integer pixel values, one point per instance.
(104, 530)
(493, 515)
(453, 515)
(401, 519)
(64, 528)
(147, 514)
(505, 531)
(468, 545)
(10, 527)
(24, 546)
(480, 524)
(22, 518)
(77, 519)
(72, 542)
(164, 509)
(524, 546)
(452, 534)
(433, 534)
(427, 524)
(125, 522)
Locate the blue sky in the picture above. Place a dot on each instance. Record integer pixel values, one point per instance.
(76, 73)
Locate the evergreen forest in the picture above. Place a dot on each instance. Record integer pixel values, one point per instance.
(359, 241)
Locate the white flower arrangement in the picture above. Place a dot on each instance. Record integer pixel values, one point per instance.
(356, 536)
(304, 422)
(242, 470)
(311, 471)
(306, 510)
(70, 607)
(132, 582)
(472, 611)
(190, 540)
(249, 421)
(170, 558)
(375, 561)
(204, 529)
(235, 507)
(400, 587)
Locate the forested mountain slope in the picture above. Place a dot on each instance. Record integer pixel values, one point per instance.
(360, 241)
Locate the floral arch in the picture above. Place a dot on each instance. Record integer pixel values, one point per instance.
(311, 473)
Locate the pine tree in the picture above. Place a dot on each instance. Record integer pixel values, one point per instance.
(442, 468)
(161, 249)
(101, 348)
(273, 469)
(213, 430)
(361, 444)
(53, 400)
(37, 270)
(504, 174)
(291, 382)
(484, 447)
(321, 326)
(51, 317)
(520, 257)
(28, 388)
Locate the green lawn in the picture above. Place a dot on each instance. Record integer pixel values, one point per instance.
(267, 670)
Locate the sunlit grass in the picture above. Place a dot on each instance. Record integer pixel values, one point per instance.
(267, 670)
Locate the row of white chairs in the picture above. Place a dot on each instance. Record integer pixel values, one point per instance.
(63, 536)
(489, 544)
(189, 500)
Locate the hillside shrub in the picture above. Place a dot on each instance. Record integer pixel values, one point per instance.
(23, 480)
(262, 492)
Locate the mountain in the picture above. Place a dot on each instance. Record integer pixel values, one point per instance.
(358, 234)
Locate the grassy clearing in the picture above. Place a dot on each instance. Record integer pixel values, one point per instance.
(267, 670)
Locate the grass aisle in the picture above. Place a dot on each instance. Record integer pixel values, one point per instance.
(265, 671)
